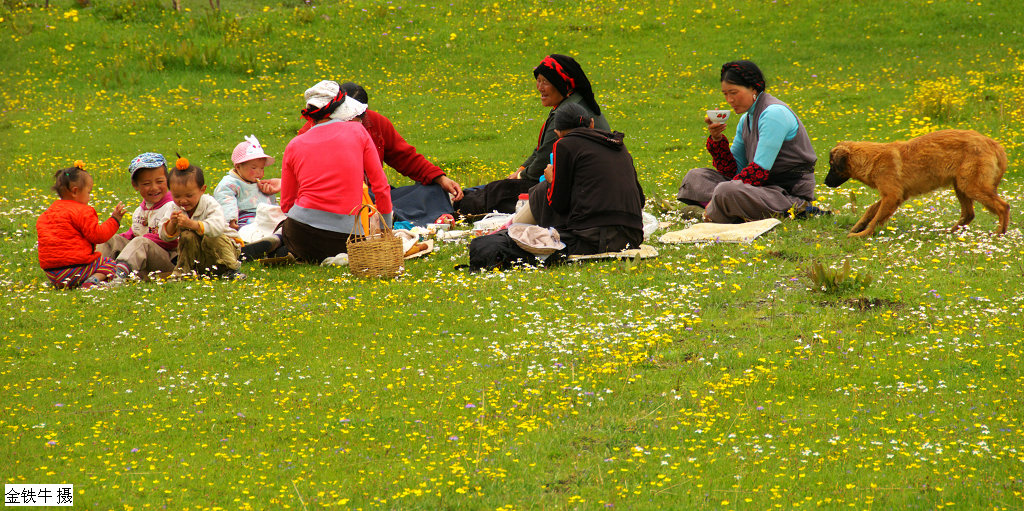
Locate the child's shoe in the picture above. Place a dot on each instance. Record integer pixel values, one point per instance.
(90, 283)
(260, 249)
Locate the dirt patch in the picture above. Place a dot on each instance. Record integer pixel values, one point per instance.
(864, 304)
(786, 256)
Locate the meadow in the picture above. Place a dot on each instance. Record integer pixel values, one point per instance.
(715, 376)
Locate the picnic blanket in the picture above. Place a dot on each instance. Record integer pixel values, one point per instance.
(722, 233)
(645, 251)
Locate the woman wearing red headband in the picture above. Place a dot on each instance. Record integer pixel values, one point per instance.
(560, 81)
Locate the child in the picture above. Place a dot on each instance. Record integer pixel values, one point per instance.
(243, 188)
(205, 240)
(69, 231)
(140, 249)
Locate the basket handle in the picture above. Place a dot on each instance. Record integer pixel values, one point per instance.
(357, 212)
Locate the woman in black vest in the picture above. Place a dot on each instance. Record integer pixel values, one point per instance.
(768, 170)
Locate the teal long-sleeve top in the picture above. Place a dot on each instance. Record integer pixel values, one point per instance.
(776, 125)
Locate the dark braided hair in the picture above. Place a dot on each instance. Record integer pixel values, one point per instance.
(743, 73)
(569, 116)
(64, 179)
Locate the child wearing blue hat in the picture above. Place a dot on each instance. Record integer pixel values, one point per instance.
(140, 251)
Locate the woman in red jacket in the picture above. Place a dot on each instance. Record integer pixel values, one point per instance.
(69, 231)
(322, 174)
(394, 150)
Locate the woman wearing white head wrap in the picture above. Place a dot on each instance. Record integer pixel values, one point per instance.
(328, 100)
(322, 174)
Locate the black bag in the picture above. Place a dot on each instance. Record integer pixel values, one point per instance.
(497, 250)
(500, 251)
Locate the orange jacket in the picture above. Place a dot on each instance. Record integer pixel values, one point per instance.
(68, 233)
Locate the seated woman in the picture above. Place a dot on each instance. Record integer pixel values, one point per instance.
(322, 176)
(768, 170)
(560, 82)
(591, 196)
(393, 149)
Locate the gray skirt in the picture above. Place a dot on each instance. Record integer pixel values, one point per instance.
(729, 202)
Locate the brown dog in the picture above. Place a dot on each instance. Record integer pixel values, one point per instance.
(971, 162)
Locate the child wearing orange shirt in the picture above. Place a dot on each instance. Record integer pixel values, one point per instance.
(69, 231)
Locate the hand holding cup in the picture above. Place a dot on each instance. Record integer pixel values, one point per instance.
(718, 116)
(715, 119)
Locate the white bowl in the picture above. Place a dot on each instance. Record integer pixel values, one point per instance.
(719, 116)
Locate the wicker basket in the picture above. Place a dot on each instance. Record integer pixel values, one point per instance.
(377, 255)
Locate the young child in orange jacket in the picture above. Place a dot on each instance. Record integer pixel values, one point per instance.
(69, 231)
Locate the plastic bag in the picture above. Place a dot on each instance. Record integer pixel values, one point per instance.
(650, 224)
(491, 222)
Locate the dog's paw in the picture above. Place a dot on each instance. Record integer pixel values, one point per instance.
(859, 234)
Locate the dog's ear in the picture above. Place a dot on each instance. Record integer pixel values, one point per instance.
(837, 166)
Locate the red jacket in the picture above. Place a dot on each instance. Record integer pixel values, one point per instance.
(68, 233)
(394, 150)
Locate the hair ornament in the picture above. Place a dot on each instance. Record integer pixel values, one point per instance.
(79, 164)
(181, 163)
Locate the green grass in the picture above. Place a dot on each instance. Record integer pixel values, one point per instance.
(711, 377)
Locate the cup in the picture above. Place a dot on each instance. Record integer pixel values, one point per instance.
(719, 116)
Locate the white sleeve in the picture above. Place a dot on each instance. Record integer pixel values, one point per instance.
(164, 214)
(214, 224)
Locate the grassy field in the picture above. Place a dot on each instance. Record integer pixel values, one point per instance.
(712, 377)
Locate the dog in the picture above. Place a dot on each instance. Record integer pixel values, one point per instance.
(973, 163)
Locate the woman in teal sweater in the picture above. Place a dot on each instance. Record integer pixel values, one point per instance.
(768, 170)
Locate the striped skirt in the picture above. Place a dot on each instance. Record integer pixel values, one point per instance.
(70, 277)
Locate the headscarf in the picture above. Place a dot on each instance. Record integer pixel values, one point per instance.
(568, 77)
(326, 98)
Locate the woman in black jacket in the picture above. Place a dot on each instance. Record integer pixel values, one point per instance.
(593, 197)
(590, 195)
